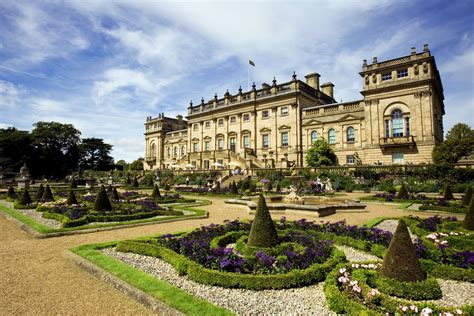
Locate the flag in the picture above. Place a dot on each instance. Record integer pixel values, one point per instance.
(251, 63)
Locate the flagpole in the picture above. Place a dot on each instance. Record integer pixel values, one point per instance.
(248, 76)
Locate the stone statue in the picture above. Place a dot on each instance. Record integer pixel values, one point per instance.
(23, 181)
(293, 197)
(328, 185)
(294, 172)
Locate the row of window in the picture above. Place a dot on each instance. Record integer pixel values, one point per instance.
(350, 135)
(245, 118)
(402, 73)
(175, 151)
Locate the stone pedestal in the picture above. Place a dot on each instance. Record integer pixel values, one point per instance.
(23, 184)
(110, 181)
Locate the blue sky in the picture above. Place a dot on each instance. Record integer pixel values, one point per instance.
(105, 66)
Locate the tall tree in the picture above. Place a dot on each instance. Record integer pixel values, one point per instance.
(15, 149)
(459, 142)
(321, 154)
(137, 164)
(94, 152)
(57, 147)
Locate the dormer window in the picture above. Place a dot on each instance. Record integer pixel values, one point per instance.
(402, 73)
(386, 76)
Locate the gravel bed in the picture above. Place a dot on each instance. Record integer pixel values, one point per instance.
(305, 300)
(354, 255)
(38, 216)
(391, 225)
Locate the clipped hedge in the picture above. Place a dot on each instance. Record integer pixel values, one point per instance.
(428, 289)
(448, 209)
(444, 271)
(197, 273)
(118, 218)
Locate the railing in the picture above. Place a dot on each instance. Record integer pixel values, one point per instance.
(397, 141)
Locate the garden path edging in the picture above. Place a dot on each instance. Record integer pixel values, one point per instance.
(134, 293)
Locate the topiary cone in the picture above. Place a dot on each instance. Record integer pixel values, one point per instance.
(25, 198)
(468, 222)
(467, 196)
(403, 193)
(102, 202)
(110, 189)
(115, 195)
(400, 261)
(11, 192)
(40, 192)
(73, 184)
(156, 192)
(448, 194)
(47, 195)
(71, 198)
(263, 232)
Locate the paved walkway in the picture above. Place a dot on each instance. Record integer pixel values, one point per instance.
(37, 279)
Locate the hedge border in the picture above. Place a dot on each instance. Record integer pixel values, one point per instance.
(38, 230)
(341, 303)
(159, 290)
(428, 289)
(196, 272)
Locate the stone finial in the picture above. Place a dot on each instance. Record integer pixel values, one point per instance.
(215, 96)
(254, 86)
(227, 93)
(274, 81)
(364, 63)
(202, 100)
(240, 89)
(374, 60)
(294, 75)
(191, 103)
(425, 48)
(413, 50)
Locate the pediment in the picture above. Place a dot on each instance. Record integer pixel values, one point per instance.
(313, 122)
(350, 117)
(265, 129)
(195, 139)
(284, 127)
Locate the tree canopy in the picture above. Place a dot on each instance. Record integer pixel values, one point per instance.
(459, 142)
(137, 164)
(321, 154)
(94, 152)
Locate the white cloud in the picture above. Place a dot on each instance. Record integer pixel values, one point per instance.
(9, 94)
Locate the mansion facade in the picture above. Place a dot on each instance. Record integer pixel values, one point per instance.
(399, 119)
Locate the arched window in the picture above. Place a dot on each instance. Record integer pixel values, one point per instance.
(175, 151)
(350, 134)
(332, 136)
(153, 150)
(397, 123)
(169, 152)
(314, 136)
(182, 150)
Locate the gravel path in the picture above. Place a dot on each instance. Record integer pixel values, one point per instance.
(354, 255)
(38, 280)
(305, 300)
(391, 226)
(38, 216)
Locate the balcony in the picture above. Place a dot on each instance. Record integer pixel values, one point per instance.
(408, 141)
(150, 159)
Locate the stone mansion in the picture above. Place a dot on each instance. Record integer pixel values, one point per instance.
(398, 120)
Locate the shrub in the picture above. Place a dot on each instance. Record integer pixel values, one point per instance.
(71, 198)
(278, 187)
(263, 232)
(25, 198)
(403, 192)
(400, 261)
(11, 192)
(110, 189)
(102, 202)
(448, 193)
(73, 184)
(166, 187)
(467, 196)
(428, 289)
(47, 195)
(233, 188)
(115, 195)
(156, 192)
(468, 222)
(40, 192)
(135, 182)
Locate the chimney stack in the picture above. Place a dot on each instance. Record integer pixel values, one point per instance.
(328, 89)
(312, 80)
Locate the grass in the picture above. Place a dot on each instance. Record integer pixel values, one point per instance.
(374, 221)
(41, 228)
(159, 289)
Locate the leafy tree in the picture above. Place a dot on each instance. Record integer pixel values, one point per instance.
(102, 202)
(400, 261)
(137, 164)
(135, 182)
(459, 142)
(94, 152)
(321, 154)
(263, 232)
(15, 149)
(123, 163)
(57, 147)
